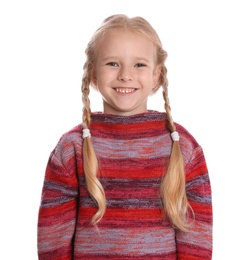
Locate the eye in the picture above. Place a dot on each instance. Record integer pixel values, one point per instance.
(140, 65)
(112, 64)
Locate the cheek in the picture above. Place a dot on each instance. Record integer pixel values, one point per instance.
(105, 77)
(149, 78)
(101, 82)
(98, 78)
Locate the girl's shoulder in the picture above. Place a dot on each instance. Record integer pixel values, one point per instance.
(69, 142)
(186, 135)
(72, 135)
(64, 155)
(189, 145)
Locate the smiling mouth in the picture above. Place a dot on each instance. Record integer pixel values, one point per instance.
(125, 90)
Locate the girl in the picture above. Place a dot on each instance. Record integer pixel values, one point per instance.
(128, 182)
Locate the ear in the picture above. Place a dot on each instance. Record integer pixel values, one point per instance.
(93, 78)
(157, 72)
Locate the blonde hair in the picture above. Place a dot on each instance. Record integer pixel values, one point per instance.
(172, 189)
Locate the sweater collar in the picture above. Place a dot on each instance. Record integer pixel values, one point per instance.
(151, 115)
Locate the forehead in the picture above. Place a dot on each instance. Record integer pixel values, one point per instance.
(124, 40)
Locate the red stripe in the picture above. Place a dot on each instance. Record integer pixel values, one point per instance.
(191, 252)
(197, 171)
(129, 131)
(131, 214)
(57, 210)
(71, 180)
(201, 208)
(132, 173)
(63, 253)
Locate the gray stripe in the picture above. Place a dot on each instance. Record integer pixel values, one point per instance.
(143, 148)
(68, 194)
(126, 203)
(56, 236)
(126, 241)
(65, 189)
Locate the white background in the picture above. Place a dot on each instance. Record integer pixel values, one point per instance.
(41, 57)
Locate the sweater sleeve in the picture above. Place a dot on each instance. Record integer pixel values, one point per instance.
(197, 243)
(58, 207)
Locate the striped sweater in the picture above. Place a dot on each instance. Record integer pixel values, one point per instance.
(133, 153)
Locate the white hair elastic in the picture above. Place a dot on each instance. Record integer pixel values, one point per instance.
(175, 136)
(86, 133)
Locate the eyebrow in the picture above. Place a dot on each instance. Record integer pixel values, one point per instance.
(116, 57)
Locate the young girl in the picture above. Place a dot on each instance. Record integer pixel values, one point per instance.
(128, 182)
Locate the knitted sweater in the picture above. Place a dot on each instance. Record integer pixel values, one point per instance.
(133, 153)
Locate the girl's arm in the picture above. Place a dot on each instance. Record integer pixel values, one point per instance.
(57, 213)
(197, 243)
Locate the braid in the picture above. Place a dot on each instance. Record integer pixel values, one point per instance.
(173, 189)
(85, 97)
(171, 125)
(90, 162)
(164, 83)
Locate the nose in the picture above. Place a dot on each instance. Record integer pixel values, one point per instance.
(125, 74)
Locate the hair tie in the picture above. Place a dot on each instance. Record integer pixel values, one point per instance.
(175, 136)
(86, 133)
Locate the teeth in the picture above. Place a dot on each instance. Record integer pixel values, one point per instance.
(125, 90)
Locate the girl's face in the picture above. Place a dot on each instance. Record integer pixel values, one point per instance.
(125, 72)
